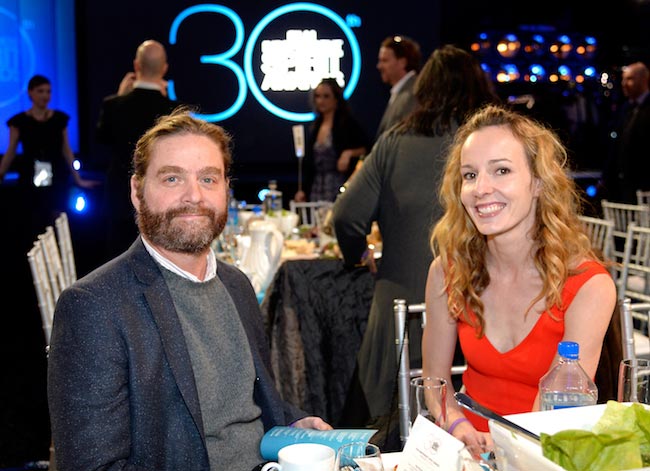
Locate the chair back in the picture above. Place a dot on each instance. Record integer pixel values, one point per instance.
(634, 321)
(635, 272)
(44, 295)
(52, 266)
(312, 213)
(601, 234)
(65, 248)
(623, 214)
(643, 197)
(403, 313)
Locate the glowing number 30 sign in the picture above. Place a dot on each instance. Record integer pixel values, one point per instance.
(245, 77)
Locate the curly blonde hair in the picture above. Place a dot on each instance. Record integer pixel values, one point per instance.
(560, 239)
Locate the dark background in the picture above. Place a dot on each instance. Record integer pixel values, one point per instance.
(109, 32)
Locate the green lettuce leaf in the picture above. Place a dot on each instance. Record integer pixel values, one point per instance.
(582, 450)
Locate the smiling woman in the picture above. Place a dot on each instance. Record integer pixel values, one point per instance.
(514, 274)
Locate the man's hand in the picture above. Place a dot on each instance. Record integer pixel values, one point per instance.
(312, 422)
(126, 85)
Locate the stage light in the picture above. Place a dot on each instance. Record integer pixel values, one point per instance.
(535, 46)
(508, 46)
(482, 45)
(563, 73)
(78, 202)
(562, 47)
(536, 73)
(507, 73)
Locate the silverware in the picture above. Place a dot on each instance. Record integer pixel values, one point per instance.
(468, 403)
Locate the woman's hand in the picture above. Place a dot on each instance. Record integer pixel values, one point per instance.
(477, 442)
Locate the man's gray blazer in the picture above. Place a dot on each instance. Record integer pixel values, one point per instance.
(120, 383)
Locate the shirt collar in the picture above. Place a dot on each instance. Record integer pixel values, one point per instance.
(147, 85)
(400, 83)
(210, 272)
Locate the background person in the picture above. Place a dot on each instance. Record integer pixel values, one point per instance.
(335, 140)
(43, 133)
(141, 98)
(398, 63)
(628, 166)
(514, 274)
(158, 359)
(397, 187)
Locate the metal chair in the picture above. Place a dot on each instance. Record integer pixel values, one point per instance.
(636, 344)
(51, 273)
(635, 272)
(403, 313)
(623, 214)
(65, 248)
(42, 286)
(312, 213)
(601, 234)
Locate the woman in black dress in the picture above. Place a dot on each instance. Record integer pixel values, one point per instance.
(46, 162)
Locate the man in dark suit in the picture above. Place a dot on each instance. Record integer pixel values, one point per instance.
(124, 117)
(398, 63)
(158, 359)
(628, 166)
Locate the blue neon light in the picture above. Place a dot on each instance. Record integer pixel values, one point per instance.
(254, 36)
(219, 59)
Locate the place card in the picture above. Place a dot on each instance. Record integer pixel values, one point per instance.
(430, 448)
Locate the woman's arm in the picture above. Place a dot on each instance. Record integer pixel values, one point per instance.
(438, 348)
(587, 319)
(10, 154)
(343, 163)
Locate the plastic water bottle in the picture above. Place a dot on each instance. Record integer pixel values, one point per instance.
(273, 199)
(567, 384)
(233, 210)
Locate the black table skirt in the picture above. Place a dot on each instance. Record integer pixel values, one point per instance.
(315, 313)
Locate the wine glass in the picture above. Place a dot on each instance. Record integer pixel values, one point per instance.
(359, 456)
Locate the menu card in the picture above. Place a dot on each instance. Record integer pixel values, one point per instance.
(281, 436)
(430, 448)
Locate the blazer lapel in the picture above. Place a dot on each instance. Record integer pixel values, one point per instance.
(171, 333)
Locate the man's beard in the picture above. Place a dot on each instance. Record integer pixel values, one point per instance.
(191, 237)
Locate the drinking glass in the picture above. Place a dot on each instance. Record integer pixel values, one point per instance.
(634, 380)
(428, 397)
(359, 456)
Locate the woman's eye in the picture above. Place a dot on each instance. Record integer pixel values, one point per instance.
(503, 171)
(469, 175)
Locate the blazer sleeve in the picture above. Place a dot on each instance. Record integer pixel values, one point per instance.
(356, 208)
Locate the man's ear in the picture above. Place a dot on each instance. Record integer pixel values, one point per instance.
(134, 193)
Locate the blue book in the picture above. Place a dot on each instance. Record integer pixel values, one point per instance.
(281, 436)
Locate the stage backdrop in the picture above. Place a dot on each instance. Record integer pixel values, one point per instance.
(217, 62)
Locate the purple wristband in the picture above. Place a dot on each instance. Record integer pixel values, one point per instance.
(455, 423)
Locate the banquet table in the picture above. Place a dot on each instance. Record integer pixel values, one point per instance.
(315, 313)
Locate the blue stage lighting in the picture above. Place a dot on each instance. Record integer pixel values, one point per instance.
(591, 191)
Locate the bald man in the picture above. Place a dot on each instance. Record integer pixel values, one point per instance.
(124, 117)
(629, 162)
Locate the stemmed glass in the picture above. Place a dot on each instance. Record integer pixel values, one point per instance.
(359, 456)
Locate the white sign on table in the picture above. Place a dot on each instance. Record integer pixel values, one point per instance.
(430, 448)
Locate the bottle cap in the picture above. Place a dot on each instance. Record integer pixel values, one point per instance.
(568, 350)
